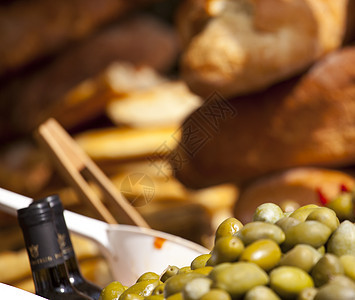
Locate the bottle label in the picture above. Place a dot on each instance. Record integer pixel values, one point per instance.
(65, 245)
(42, 247)
(64, 237)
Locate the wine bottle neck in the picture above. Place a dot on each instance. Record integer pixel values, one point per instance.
(52, 278)
(73, 267)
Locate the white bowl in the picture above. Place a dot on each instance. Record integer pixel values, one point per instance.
(13, 293)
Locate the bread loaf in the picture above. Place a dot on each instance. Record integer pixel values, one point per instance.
(309, 121)
(31, 99)
(244, 46)
(33, 30)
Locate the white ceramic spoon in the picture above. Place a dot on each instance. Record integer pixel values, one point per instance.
(129, 250)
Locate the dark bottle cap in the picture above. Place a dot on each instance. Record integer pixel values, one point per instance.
(54, 202)
(63, 234)
(34, 214)
(40, 235)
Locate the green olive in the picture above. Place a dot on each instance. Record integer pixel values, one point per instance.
(343, 206)
(196, 288)
(216, 294)
(148, 276)
(342, 241)
(307, 294)
(141, 288)
(261, 293)
(131, 297)
(177, 296)
(288, 281)
(265, 253)
(169, 272)
(184, 269)
(348, 263)
(226, 249)
(343, 280)
(287, 222)
(159, 289)
(228, 227)
(254, 231)
(154, 297)
(301, 256)
(302, 213)
(326, 216)
(311, 233)
(237, 278)
(268, 212)
(176, 283)
(287, 213)
(329, 265)
(200, 261)
(321, 250)
(333, 291)
(204, 271)
(112, 291)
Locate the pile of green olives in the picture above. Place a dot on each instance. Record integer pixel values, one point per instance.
(307, 254)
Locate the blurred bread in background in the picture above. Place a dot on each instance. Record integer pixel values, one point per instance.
(238, 47)
(33, 30)
(166, 104)
(29, 99)
(306, 121)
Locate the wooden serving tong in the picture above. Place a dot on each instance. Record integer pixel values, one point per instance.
(77, 167)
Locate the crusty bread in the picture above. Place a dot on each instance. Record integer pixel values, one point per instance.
(349, 36)
(299, 185)
(165, 104)
(31, 99)
(33, 30)
(249, 45)
(89, 98)
(128, 143)
(302, 122)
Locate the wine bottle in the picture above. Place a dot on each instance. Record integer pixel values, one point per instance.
(75, 275)
(48, 268)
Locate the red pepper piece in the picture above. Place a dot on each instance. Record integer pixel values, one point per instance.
(344, 188)
(322, 198)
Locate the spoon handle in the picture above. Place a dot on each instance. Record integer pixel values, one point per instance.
(10, 202)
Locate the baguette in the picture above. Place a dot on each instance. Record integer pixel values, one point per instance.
(308, 121)
(257, 43)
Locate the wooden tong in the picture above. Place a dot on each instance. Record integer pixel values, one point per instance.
(75, 166)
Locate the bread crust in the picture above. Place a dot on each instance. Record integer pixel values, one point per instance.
(36, 29)
(307, 121)
(249, 45)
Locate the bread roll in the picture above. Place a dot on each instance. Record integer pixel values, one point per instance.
(248, 45)
(309, 121)
(298, 185)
